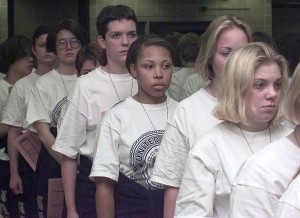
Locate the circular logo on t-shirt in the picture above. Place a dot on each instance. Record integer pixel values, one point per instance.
(142, 158)
(57, 111)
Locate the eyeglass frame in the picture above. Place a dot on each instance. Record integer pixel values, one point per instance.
(70, 42)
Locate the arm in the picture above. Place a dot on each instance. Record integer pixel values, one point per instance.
(47, 139)
(3, 130)
(197, 192)
(105, 197)
(243, 203)
(68, 171)
(15, 183)
(170, 201)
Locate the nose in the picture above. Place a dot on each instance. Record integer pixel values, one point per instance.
(125, 40)
(158, 73)
(272, 93)
(69, 46)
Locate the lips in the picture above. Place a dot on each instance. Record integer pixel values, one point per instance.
(124, 52)
(159, 87)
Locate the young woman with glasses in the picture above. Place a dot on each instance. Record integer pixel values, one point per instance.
(48, 96)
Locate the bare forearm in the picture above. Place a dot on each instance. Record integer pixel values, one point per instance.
(3, 130)
(170, 201)
(105, 198)
(13, 152)
(47, 139)
(68, 171)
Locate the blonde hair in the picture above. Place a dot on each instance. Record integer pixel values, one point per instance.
(237, 80)
(209, 42)
(290, 100)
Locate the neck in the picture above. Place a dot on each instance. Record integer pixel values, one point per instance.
(144, 100)
(42, 69)
(213, 88)
(190, 65)
(254, 128)
(115, 69)
(66, 69)
(295, 136)
(12, 78)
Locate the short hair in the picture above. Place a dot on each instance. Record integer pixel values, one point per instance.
(291, 99)
(146, 41)
(263, 37)
(40, 30)
(12, 50)
(112, 13)
(237, 80)
(71, 25)
(209, 42)
(90, 52)
(288, 46)
(188, 47)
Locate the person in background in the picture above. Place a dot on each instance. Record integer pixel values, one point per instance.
(89, 58)
(188, 48)
(265, 177)
(130, 133)
(21, 174)
(193, 116)
(173, 38)
(15, 62)
(258, 78)
(48, 95)
(92, 96)
(264, 37)
(288, 45)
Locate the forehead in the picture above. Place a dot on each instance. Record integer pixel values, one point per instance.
(42, 38)
(232, 38)
(267, 71)
(154, 51)
(122, 25)
(64, 34)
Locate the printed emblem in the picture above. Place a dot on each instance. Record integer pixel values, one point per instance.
(142, 158)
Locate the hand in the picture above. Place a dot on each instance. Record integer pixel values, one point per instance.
(72, 214)
(15, 184)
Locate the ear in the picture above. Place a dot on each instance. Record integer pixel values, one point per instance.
(133, 71)
(33, 51)
(101, 42)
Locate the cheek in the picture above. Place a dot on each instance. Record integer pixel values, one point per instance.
(218, 63)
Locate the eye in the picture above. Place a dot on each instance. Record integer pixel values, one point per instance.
(147, 66)
(41, 45)
(116, 35)
(259, 85)
(132, 35)
(278, 85)
(166, 66)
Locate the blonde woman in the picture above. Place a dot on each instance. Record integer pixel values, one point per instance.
(251, 85)
(193, 116)
(266, 175)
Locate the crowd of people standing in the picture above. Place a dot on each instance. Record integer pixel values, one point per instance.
(129, 137)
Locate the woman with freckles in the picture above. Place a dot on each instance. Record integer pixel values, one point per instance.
(252, 83)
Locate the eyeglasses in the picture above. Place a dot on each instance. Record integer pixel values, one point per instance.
(62, 44)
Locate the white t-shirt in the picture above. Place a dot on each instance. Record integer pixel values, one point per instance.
(48, 94)
(16, 106)
(128, 140)
(212, 166)
(192, 84)
(192, 117)
(289, 204)
(263, 179)
(2, 75)
(177, 81)
(5, 88)
(92, 96)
